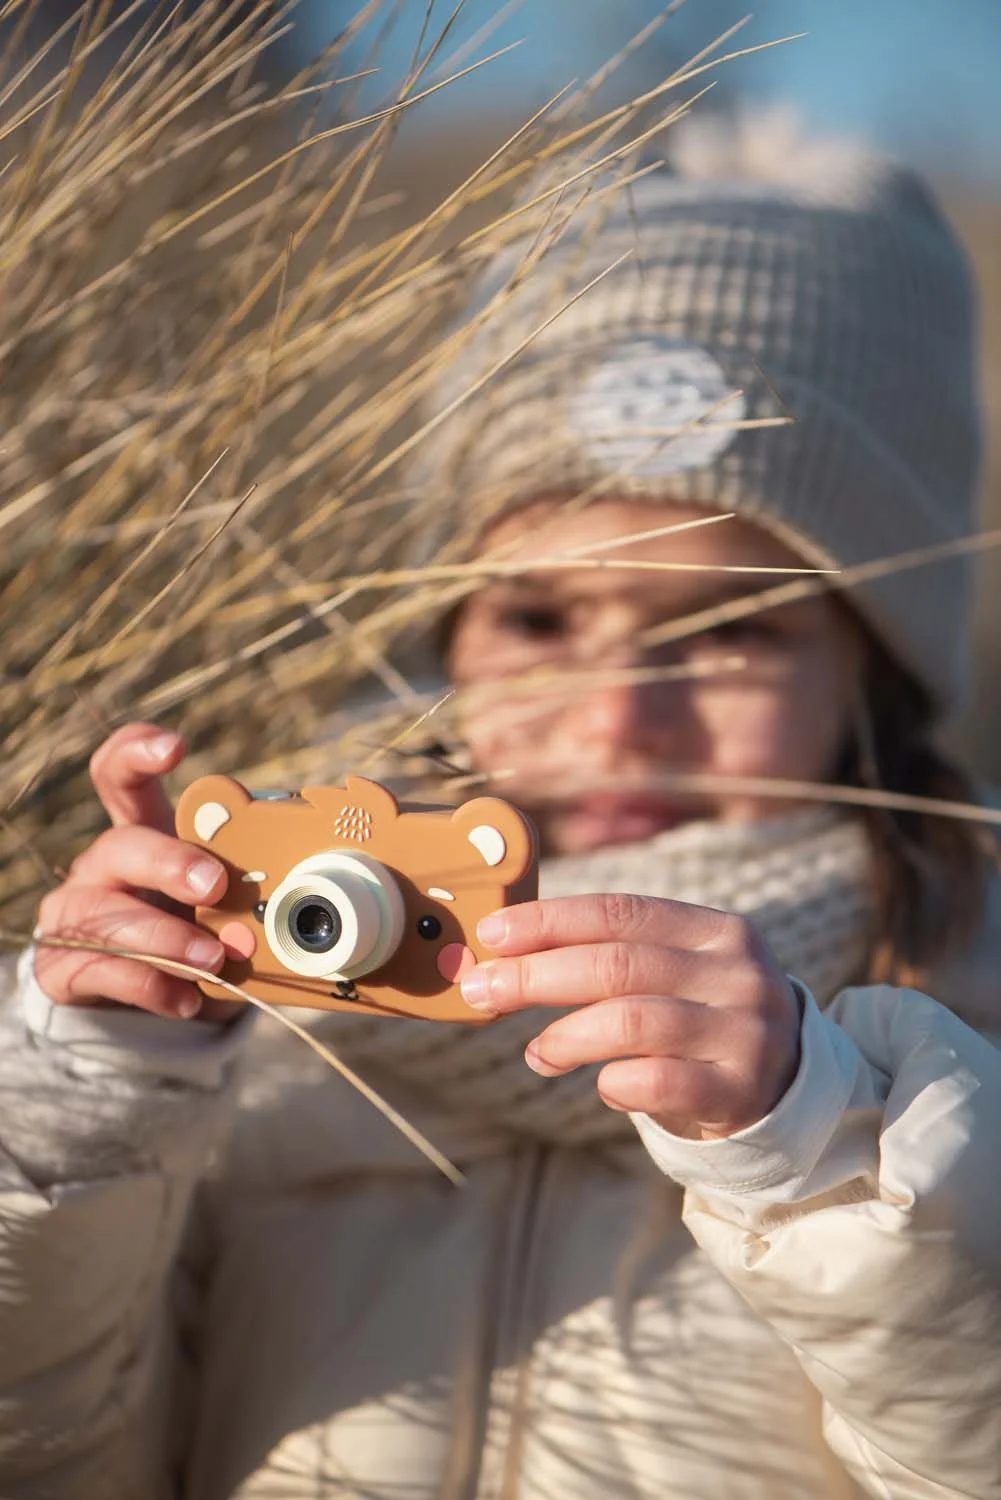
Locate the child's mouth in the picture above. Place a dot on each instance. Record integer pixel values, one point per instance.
(621, 818)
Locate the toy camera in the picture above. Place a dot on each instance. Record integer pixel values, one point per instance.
(343, 898)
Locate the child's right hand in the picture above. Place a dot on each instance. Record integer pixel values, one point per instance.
(134, 887)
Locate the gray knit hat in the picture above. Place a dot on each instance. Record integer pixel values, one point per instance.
(836, 296)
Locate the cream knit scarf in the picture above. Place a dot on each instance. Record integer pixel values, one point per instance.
(803, 879)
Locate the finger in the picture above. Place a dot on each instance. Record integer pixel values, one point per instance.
(602, 971)
(139, 986)
(131, 858)
(568, 920)
(641, 1026)
(126, 769)
(678, 1094)
(117, 920)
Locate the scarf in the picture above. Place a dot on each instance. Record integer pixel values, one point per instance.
(803, 879)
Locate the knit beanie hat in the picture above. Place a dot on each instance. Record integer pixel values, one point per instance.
(824, 287)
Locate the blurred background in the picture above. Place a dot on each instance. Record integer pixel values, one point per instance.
(920, 79)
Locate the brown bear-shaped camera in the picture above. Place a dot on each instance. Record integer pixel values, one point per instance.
(343, 898)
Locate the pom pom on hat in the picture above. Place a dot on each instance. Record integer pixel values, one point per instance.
(770, 147)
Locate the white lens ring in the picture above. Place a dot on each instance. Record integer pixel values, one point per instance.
(359, 918)
(367, 900)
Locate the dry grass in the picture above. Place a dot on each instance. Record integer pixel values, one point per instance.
(217, 333)
(215, 341)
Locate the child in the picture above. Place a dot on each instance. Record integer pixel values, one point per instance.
(727, 1234)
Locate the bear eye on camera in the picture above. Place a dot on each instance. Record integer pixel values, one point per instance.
(259, 909)
(429, 927)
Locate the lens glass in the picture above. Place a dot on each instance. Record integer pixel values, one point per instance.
(314, 924)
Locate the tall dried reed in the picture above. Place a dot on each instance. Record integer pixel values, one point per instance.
(216, 333)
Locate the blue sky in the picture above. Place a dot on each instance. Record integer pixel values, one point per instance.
(921, 78)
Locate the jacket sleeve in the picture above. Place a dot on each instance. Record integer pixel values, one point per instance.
(862, 1220)
(107, 1120)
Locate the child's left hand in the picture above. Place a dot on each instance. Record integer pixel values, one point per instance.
(697, 1023)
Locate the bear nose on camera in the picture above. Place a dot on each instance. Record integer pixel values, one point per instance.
(453, 961)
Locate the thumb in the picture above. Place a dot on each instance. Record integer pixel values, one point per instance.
(126, 772)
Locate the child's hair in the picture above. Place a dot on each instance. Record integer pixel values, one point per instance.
(931, 872)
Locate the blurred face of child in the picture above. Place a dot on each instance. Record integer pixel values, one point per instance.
(585, 748)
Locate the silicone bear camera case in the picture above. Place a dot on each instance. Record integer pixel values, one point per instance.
(343, 898)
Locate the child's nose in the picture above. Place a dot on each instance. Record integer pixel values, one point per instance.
(625, 711)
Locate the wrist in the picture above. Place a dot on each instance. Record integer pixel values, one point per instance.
(775, 1158)
(112, 1040)
(783, 1065)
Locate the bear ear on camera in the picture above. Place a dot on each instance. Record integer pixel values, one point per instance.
(502, 837)
(208, 806)
(357, 793)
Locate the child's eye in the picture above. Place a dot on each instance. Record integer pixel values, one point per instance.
(535, 622)
(741, 632)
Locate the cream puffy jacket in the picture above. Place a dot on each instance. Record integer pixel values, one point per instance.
(807, 1311)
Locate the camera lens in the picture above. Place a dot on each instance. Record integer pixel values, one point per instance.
(336, 915)
(314, 924)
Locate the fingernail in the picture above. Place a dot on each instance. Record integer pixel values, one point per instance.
(203, 876)
(492, 930)
(163, 746)
(188, 1007)
(538, 1064)
(477, 987)
(206, 953)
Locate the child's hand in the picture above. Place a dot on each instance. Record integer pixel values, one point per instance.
(134, 887)
(703, 1024)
